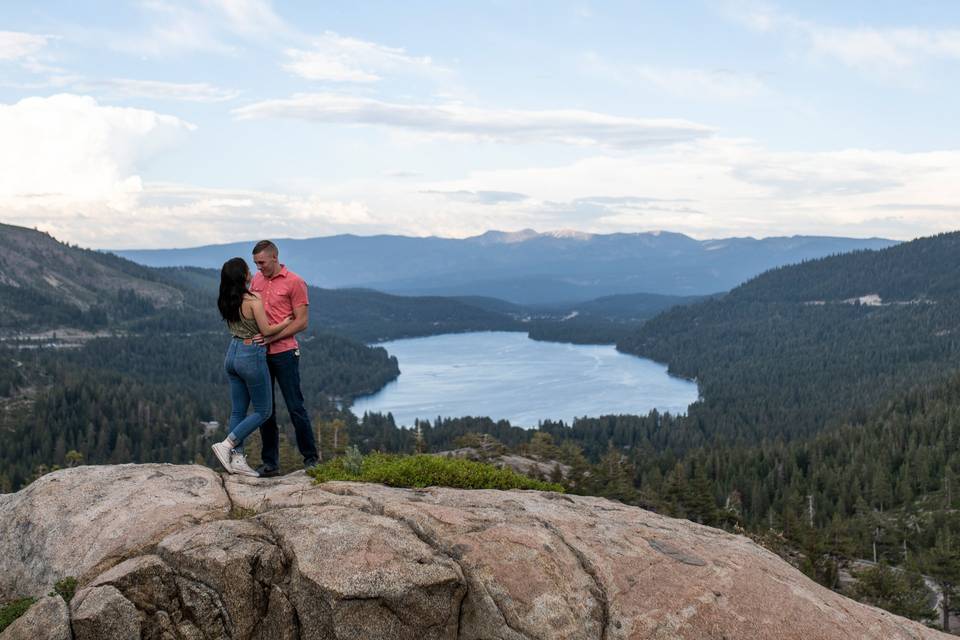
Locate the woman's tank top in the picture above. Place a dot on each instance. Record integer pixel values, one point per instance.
(244, 328)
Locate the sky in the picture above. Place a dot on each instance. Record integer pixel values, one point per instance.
(167, 123)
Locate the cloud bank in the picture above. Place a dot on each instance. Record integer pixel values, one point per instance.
(560, 126)
(66, 149)
(711, 188)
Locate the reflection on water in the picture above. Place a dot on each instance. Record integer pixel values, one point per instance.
(505, 375)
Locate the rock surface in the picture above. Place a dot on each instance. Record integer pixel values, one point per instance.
(78, 522)
(283, 558)
(103, 613)
(47, 619)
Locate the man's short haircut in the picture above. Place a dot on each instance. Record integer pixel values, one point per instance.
(265, 245)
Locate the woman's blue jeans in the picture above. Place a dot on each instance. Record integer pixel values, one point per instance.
(246, 367)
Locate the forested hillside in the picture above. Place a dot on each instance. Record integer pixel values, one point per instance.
(925, 269)
(772, 362)
(149, 398)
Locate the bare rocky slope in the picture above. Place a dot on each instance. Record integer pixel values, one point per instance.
(164, 551)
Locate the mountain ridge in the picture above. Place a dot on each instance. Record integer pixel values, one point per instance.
(527, 267)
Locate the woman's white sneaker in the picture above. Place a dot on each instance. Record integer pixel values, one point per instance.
(223, 451)
(238, 465)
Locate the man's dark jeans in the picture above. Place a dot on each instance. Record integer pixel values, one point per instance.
(285, 373)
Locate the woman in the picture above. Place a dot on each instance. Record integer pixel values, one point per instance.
(246, 362)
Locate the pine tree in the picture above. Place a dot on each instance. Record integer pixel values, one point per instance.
(942, 563)
(898, 591)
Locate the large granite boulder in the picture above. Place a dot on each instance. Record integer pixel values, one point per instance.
(47, 619)
(102, 613)
(285, 559)
(79, 522)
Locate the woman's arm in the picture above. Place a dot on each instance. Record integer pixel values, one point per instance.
(263, 323)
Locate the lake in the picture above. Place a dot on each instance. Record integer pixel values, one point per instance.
(506, 375)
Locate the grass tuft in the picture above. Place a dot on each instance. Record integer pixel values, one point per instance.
(13, 610)
(65, 588)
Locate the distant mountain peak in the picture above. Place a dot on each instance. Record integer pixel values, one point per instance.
(569, 234)
(516, 237)
(505, 237)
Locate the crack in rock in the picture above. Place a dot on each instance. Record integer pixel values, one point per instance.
(674, 553)
(223, 483)
(587, 567)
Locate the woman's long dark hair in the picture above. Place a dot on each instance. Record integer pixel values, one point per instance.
(233, 286)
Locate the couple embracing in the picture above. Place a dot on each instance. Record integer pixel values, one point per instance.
(263, 314)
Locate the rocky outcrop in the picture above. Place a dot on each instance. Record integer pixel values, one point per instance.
(283, 558)
(521, 464)
(78, 522)
(47, 619)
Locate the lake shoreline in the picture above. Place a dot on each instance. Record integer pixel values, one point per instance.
(526, 380)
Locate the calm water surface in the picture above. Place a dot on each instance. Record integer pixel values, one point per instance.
(506, 375)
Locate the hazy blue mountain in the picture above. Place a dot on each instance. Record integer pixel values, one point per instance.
(633, 307)
(527, 267)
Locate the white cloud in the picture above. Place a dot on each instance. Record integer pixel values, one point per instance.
(67, 148)
(168, 215)
(154, 89)
(480, 197)
(341, 59)
(121, 88)
(707, 189)
(15, 45)
(567, 126)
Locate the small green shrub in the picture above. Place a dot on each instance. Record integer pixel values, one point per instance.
(353, 461)
(427, 471)
(13, 610)
(65, 588)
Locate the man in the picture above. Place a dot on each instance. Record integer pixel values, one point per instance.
(284, 294)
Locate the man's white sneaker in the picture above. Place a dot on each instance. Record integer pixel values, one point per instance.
(222, 452)
(238, 465)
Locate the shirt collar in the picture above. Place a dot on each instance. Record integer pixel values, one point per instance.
(282, 273)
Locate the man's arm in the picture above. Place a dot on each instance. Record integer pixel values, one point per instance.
(301, 317)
